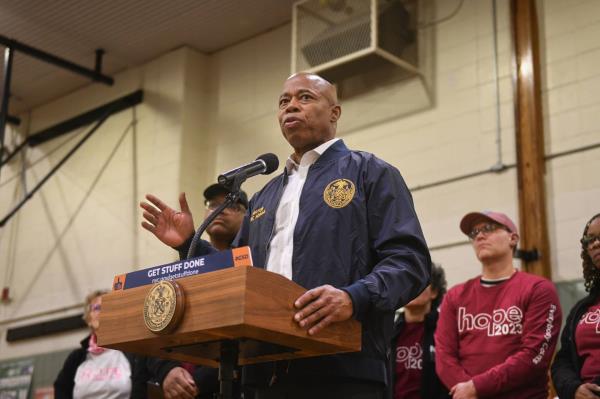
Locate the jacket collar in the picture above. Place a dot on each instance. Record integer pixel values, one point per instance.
(335, 151)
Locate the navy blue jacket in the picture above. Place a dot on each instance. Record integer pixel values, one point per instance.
(372, 247)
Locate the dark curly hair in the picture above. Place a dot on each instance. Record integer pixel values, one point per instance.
(591, 274)
(438, 283)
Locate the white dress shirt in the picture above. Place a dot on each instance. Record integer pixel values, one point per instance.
(281, 247)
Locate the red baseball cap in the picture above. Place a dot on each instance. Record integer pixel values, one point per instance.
(471, 219)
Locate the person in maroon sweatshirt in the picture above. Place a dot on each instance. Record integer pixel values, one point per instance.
(576, 368)
(497, 332)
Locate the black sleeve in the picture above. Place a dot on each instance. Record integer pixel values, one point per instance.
(402, 262)
(65, 381)
(202, 248)
(565, 374)
(207, 380)
(139, 376)
(159, 368)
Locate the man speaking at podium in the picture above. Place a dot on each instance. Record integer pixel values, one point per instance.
(338, 222)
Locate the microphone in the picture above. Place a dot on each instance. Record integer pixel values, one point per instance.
(264, 164)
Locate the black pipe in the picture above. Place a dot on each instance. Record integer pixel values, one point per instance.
(52, 59)
(493, 169)
(502, 168)
(86, 118)
(573, 151)
(13, 120)
(10, 156)
(54, 169)
(98, 64)
(449, 245)
(8, 61)
(44, 328)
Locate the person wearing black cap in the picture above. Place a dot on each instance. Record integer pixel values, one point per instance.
(185, 381)
(225, 227)
(497, 332)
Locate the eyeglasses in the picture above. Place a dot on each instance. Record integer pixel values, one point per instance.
(588, 241)
(485, 229)
(211, 206)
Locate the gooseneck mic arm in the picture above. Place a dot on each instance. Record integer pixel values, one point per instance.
(230, 199)
(232, 180)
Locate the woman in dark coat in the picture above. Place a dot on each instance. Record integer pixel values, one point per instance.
(413, 346)
(95, 372)
(576, 368)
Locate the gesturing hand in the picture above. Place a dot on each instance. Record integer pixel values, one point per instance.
(322, 306)
(179, 384)
(171, 227)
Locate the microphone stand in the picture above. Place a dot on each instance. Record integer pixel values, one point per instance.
(230, 199)
(229, 349)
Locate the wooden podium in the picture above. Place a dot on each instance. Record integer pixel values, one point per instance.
(248, 306)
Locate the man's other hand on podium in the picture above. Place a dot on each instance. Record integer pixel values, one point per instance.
(322, 306)
(168, 225)
(179, 384)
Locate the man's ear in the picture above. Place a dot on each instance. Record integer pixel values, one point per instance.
(336, 112)
(514, 239)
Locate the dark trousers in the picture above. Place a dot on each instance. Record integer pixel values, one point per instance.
(347, 389)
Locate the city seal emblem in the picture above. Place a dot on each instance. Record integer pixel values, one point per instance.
(163, 307)
(339, 193)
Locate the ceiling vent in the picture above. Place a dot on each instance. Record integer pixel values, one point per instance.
(371, 49)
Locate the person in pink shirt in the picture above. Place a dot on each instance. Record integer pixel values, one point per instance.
(576, 369)
(497, 332)
(92, 372)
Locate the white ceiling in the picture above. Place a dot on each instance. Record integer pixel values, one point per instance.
(130, 31)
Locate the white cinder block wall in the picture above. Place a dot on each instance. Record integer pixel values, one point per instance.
(82, 228)
(205, 114)
(572, 120)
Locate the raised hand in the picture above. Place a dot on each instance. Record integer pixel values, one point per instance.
(168, 225)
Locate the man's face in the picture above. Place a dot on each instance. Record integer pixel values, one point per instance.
(227, 224)
(307, 112)
(493, 241)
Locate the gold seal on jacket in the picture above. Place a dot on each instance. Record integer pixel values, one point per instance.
(339, 193)
(163, 307)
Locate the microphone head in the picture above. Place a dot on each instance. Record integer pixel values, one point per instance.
(271, 161)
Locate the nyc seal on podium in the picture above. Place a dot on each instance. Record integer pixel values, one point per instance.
(163, 307)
